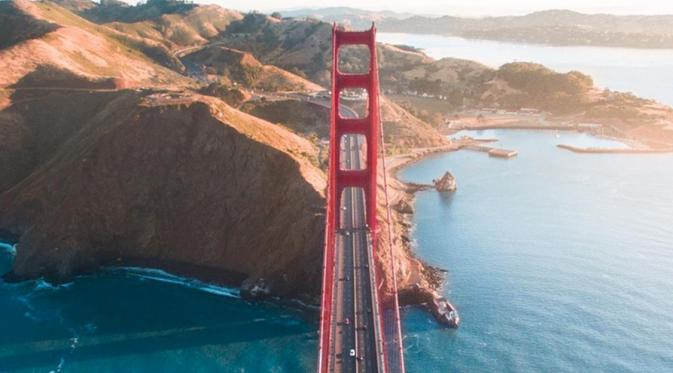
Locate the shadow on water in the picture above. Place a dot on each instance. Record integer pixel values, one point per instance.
(42, 352)
(446, 198)
(117, 314)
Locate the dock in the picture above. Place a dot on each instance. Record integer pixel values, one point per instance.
(492, 152)
(502, 153)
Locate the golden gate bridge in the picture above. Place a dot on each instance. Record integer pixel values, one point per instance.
(359, 321)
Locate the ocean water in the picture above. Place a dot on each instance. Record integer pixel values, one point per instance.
(645, 72)
(132, 320)
(559, 262)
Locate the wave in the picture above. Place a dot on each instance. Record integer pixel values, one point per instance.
(163, 276)
(42, 284)
(9, 247)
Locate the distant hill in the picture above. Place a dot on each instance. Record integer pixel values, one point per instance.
(356, 18)
(333, 12)
(555, 27)
(194, 26)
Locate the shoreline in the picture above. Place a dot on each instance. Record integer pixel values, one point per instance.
(403, 211)
(165, 276)
(425, 294)
(634, 146)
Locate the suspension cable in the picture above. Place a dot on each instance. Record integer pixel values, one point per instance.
(382, 150)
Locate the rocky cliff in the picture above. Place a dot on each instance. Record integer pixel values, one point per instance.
(183, 183)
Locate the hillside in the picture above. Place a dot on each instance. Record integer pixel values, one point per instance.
(402, 131)
(73, 44)
(408, 74)
(301, 46)
(97, 174)
(196, 26)
(17, 26)
(164, 180)
(231, 66)
(555, 27)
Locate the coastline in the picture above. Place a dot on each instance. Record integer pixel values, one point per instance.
(403, 195)
(420, 286)
(179, 278)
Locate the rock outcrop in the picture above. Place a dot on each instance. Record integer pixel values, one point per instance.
(446, 183)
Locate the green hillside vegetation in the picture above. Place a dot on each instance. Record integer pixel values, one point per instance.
(543, 88)
(110, 11)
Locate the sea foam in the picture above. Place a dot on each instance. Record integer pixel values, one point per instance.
(163, 276)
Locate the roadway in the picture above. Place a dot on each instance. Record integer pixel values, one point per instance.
(354, 313)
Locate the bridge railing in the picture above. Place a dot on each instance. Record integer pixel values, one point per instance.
(327, 293)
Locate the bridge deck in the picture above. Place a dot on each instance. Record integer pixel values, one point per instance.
(353, 321)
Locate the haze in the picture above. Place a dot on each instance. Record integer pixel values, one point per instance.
(464, 8)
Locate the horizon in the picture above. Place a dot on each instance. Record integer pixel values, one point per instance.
(458, 8)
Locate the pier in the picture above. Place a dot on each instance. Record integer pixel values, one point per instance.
(492, 152)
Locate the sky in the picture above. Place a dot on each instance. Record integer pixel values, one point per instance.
(462, 7)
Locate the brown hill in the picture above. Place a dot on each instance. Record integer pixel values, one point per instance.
(235, 66)
(83, 48)
(197, 26)
(180, 182)
(299, 46)
(309, 119)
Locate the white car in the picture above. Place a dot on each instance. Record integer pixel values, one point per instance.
(352, 353)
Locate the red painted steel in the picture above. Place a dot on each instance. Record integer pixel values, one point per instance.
(339, 179)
